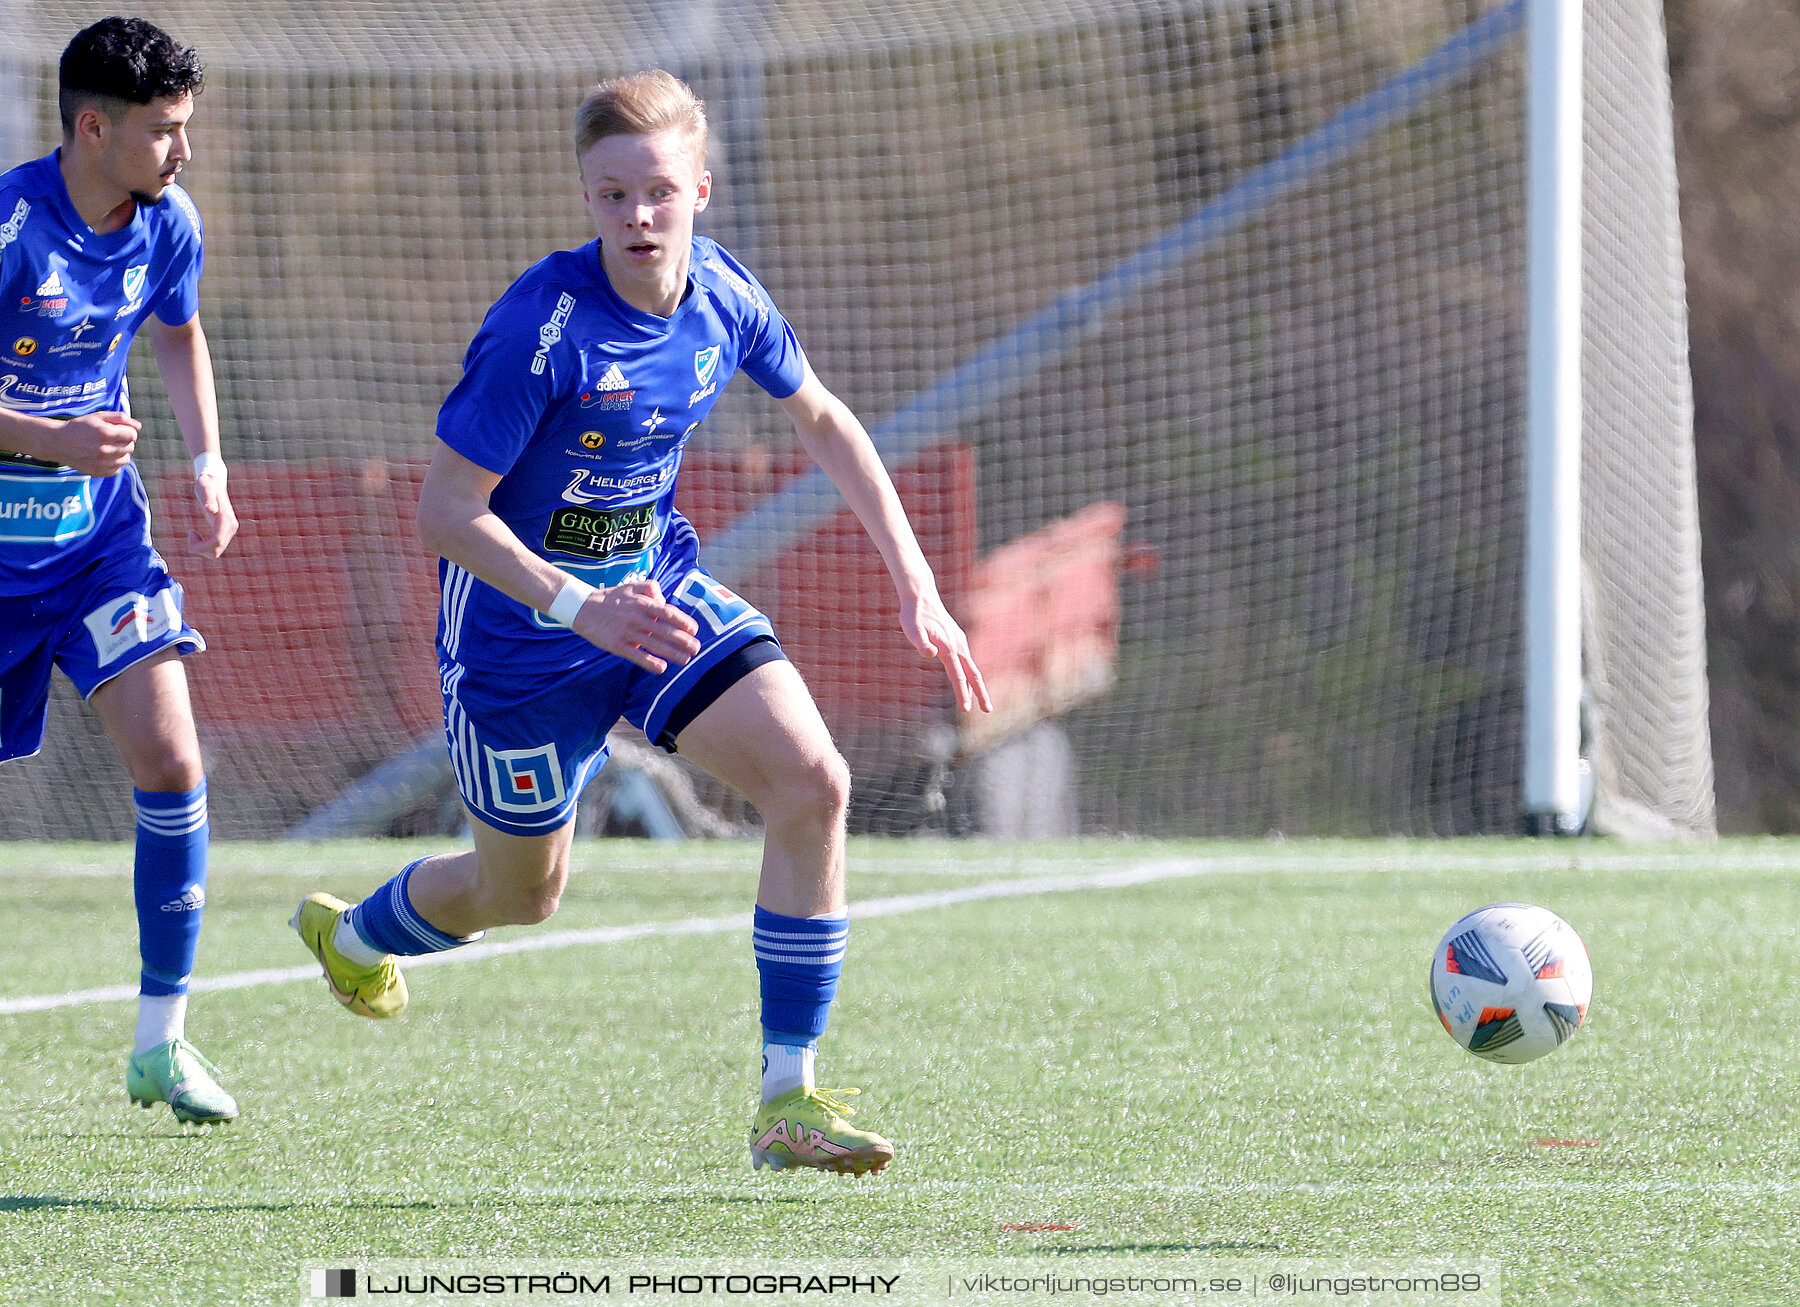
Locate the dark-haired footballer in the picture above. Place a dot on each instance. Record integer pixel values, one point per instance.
(97, 242)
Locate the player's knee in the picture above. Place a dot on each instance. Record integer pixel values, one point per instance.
(531, 907)
(168, 770)
(818, 790)
(526, 900)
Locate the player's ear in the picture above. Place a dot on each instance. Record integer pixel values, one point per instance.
(91, 125)
(702, 190)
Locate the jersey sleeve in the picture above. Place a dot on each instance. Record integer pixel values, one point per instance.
(178, 294)
(15, 211)
(777, 364)
(512, 372)
(770, 353)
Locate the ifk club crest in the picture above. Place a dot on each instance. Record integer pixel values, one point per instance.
(706, 362)
(134, 280)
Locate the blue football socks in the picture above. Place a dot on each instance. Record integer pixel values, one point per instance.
(387, 922)
(798, 960)
(169, 884)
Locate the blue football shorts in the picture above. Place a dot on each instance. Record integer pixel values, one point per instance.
(119, 611)
(523, 748)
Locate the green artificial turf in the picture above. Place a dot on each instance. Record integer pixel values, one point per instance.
(1229, 1066)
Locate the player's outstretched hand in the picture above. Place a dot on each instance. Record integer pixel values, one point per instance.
(633, 621)
(216, 516)
(98, 444)
(935, 634)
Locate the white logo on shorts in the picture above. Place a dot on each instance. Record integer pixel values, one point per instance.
(120, 625)
(525, 780)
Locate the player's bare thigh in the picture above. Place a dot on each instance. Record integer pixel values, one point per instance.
(764, 737)
(150, 720)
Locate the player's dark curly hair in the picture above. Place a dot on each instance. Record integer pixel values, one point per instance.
(124, 61)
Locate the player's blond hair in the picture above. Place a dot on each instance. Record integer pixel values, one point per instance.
(637, 105)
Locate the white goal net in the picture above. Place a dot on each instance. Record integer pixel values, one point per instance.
(1194, 330)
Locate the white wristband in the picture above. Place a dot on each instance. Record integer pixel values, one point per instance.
(568, 602)
(211, 464)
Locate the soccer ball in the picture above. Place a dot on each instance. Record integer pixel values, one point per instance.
(1511, 982)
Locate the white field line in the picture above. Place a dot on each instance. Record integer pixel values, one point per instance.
(1348, 861)
(1325, 856)
(896, 905)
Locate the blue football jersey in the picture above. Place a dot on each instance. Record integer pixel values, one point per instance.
(71, 300)
(583, 404)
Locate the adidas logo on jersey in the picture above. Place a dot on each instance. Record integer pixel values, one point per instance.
(52, 285)
(611, 391)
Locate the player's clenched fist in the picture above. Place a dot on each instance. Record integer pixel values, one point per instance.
(98, 444)
(633, 621)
